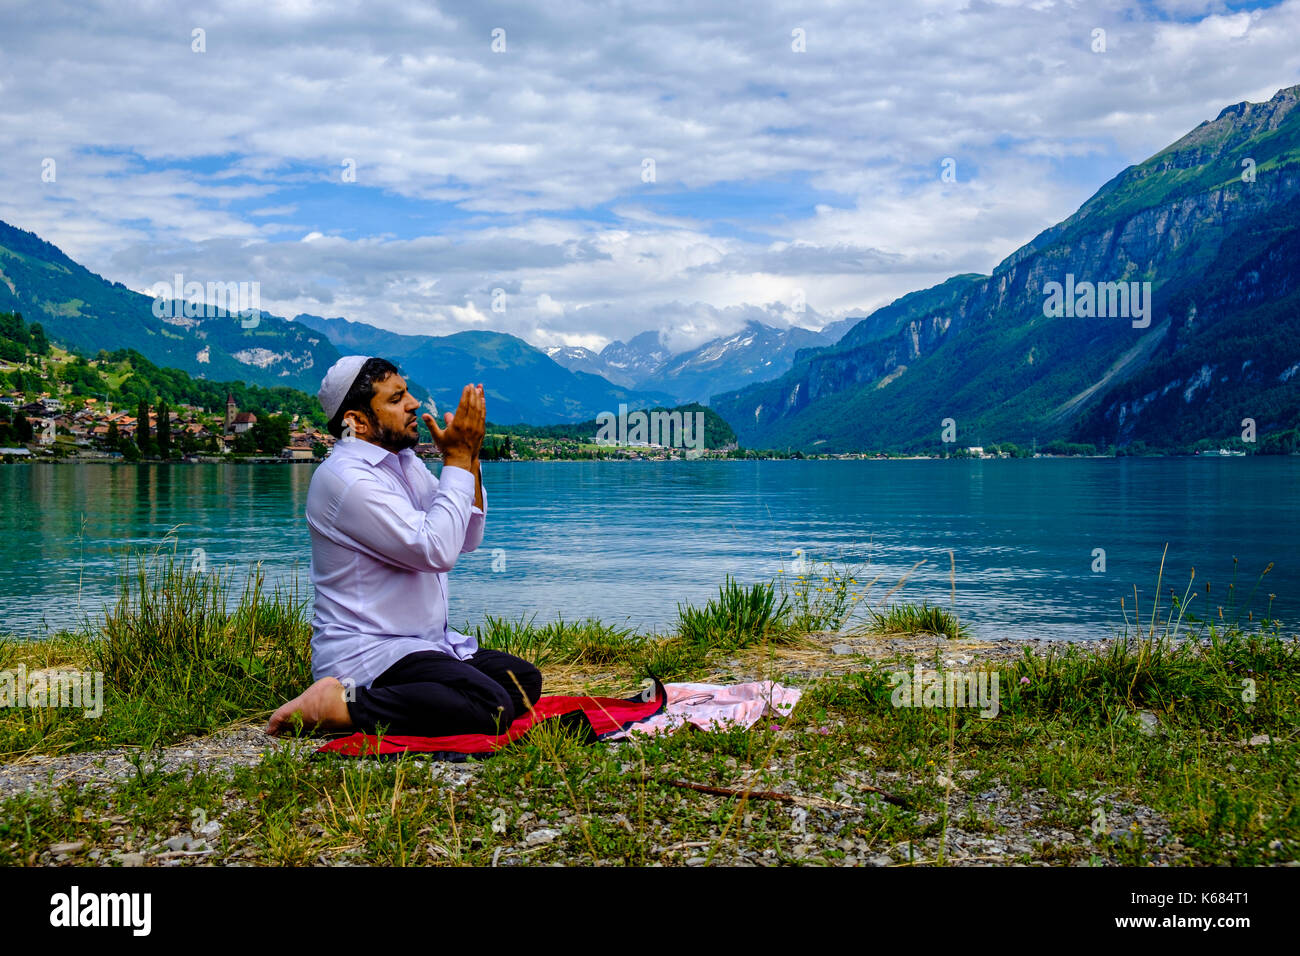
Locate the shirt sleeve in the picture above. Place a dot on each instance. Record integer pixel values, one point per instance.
(382, 522)
(474, 534)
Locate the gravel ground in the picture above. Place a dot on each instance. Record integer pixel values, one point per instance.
(243, 745)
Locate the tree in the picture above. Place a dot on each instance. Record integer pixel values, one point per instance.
(164, 431)
(39, 344)
(271, 433)
(142, 439)
(114, 437)
(318, 449)
(22, 427)
(130, 451)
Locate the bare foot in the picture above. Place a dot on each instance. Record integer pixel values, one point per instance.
(322, 707)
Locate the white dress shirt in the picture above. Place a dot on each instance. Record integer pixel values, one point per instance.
(384, 534)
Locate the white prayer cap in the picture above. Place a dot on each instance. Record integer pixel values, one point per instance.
(338, 381)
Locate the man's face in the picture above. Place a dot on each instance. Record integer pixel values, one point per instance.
(395, 408)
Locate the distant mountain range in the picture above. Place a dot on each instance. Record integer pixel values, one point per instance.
(522, 384)
(1211, 223)
(755, 353)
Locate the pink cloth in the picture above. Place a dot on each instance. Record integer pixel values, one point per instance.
(717, 707)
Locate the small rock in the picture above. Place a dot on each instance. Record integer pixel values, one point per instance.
(1260, 739)
(696, 861)
(1148, 723)
(883, 859)
(176, 843)
(68, 847)
(841, 649)
(538, 837)
(131, 859)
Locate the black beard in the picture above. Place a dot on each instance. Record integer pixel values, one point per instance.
(395, 441)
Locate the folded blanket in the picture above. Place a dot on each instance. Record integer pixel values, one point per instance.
(716, 707)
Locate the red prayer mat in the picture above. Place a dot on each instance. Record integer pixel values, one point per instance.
(594, 717)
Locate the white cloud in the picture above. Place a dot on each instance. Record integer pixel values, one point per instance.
(158, 147)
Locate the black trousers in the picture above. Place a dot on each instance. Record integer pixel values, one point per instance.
(432, 694)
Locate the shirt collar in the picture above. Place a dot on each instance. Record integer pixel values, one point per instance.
(374, 454)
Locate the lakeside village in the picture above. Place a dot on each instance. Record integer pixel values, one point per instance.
(99, 433)
(87, 429)
(94, 431)
(46, 416)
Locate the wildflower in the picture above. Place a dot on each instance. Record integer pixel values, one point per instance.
(774, 727)
(1024, 680)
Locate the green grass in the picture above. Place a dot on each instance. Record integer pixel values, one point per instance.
(915, 619)
(559, 642)
(174, 660)
(738, 617)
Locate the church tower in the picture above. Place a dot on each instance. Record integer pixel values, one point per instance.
(231, 412)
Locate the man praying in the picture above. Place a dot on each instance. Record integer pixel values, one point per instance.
(384, 534)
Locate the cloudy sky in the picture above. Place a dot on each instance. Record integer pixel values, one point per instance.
(612, 167)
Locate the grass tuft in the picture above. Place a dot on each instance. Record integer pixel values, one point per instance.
(915, 619)
(739, 617)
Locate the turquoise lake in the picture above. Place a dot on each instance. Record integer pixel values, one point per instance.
(627, 541)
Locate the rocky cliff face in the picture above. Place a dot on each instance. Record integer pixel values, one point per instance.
(1229, 362)
(980, 349)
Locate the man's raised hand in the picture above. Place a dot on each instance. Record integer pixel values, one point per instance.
(462, 435)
